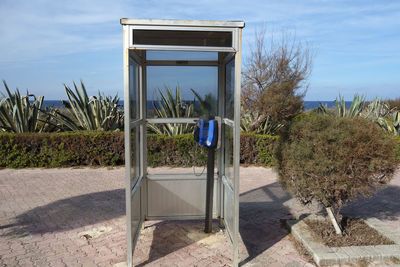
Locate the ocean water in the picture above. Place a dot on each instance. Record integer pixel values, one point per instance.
(307, 104)
(314, 104)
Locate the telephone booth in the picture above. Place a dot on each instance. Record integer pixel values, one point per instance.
(198, 50)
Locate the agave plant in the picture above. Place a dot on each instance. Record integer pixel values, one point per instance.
(207, 106)
(18, 115)
(321, 109)
(251, 122)
(170, 106)
(377, 110)
(392, 124)
(246, 122)
(90, 113)
(340, 108)
(359, 107)
(354, 110)
(396, 124)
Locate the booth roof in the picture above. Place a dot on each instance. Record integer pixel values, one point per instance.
(175, 22)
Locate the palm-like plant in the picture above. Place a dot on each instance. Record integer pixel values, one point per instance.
(18, 115)
(255, 123)
(90, 113)
(377, 110)
(246, 122)
(396, 124)
(207, 106)
(340, 109)
(321, 109)
(359, 107)
(354, 110)
(391, 123)
(170, 106)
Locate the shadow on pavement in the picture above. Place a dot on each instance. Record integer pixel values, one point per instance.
(69, 213)
(170, 236)
(261, 210)
(384, 205)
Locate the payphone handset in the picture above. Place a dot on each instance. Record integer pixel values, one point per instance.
(207, 132)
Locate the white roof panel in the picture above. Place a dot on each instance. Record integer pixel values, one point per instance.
(191, 23)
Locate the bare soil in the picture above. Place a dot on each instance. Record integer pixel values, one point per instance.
(356, 233)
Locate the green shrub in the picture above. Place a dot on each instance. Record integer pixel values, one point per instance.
(91, 148)
(397, 148)
(303, 115)
(100, 148)
(334, 160)
(257, 149)
(179, 150)
(182, 150)
(61, 149)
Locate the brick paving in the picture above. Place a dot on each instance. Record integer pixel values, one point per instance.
(44, 214)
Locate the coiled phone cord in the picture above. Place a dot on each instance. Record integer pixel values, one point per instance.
(194, 163)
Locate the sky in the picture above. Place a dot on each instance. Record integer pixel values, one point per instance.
(45, 44)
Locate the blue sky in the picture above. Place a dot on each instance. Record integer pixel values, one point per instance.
(45, 43)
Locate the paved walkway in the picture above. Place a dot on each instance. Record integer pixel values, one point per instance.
(75, 217)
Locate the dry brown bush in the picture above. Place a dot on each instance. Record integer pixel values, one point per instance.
(275, 77)
(394, 103)
(335, 160)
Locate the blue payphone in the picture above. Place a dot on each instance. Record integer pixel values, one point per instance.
(206, 134)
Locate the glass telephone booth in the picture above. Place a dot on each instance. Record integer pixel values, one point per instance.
(200, 50)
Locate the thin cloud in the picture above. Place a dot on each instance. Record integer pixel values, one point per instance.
(36, 32)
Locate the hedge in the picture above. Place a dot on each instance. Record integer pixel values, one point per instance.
(257, 149)
(397, 149)
(61, 149)
(179, 150)
(98, 148)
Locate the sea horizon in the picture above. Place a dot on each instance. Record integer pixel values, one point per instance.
(307, 104)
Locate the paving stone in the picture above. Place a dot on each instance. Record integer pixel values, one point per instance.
(353, 253)
(48, 208)
(388, 251)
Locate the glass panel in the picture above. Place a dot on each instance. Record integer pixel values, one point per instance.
(229, 89)
(228, 209)
(229, 152)
(181, 55)
(135, 211)
(184, 83)
(134, 89)
(180, 155)
(182, 38)
(135, 154)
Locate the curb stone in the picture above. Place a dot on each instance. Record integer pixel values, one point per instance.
(324, 255)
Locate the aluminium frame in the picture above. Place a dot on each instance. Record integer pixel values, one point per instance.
(225, 55)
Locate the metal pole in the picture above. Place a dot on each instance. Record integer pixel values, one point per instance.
(210, 190)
